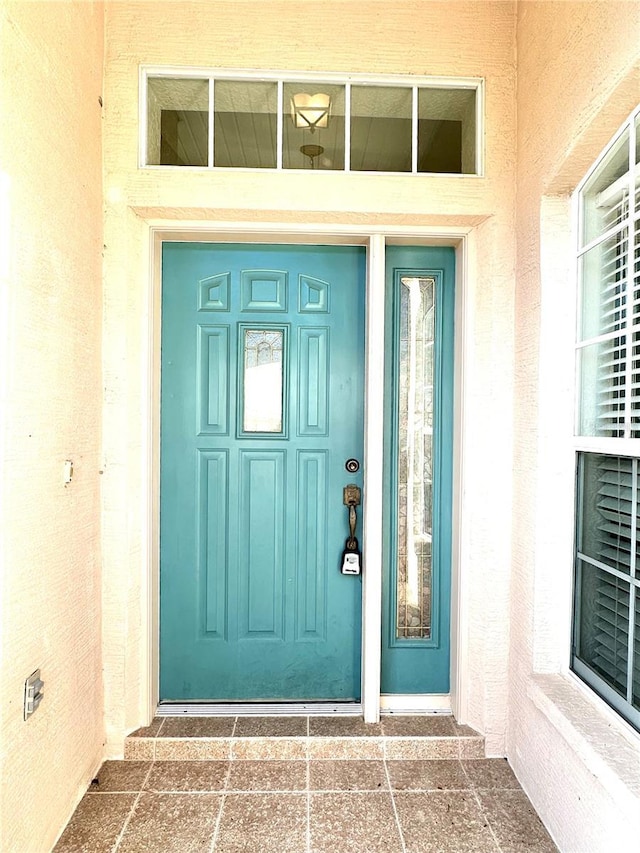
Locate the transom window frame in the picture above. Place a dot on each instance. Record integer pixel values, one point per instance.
(623, 446)
(283, 77)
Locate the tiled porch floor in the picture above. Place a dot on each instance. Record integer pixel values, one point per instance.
(306, 804)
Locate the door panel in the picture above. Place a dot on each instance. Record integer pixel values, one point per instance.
(418, 469)
(262, 404)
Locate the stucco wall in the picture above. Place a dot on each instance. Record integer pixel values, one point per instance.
(50, 341)
(380, 37)
(578, 80)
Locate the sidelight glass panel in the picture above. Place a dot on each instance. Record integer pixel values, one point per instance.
(415, 458)
(245, 126)
(262, 409)
(447, 130)
(381, 120)
(177, 122)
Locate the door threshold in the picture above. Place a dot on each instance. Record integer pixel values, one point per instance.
(415, 703)
(258, 709)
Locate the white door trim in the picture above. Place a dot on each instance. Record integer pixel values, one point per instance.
(375, 238)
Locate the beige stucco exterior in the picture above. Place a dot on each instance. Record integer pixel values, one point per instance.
(578, 80)
(77, 310)
(51, 401)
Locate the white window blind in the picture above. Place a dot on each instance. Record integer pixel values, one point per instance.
(606, 635)
(607, 551)
(610, 279)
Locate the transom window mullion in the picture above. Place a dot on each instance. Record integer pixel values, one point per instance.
(414, 130)
(347, 127)
(280, 125)
(212, 104)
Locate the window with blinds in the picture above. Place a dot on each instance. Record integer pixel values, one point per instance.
(606, 619)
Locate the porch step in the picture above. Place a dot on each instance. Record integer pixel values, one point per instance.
(191, 738)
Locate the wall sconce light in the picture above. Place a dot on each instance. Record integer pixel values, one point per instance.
(310, 111)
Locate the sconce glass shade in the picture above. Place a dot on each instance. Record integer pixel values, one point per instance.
(310, 111)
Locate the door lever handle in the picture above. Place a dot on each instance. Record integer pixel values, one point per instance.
(351, 497)
(351, 563)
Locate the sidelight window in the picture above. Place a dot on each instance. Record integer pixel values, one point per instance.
(415, 457)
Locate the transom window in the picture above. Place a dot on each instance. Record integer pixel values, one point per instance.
(225, 120)
(606, 617)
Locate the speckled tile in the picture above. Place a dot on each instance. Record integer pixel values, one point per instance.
(187, 776)
(353, 823)
(151, 730)
(443, 822)
(120, 776)
(440, 725)
(427, 775)
(271, 727)
(96, 824)
(342, 727)
(490, 773)
(261, 749)
(171, 823)
(197, 727)
(515, 823)
(471, 748)
(139, 749)
(351, 775)
(263, 823)
(464, 731)
(268, 776)
(425, 749)
(192, 749)
(345, 748)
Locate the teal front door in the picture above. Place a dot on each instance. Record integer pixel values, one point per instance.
(262, 405)
(419, 351)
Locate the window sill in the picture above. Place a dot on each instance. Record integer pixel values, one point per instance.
(603, 743)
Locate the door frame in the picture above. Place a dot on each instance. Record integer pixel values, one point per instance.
(375, 240)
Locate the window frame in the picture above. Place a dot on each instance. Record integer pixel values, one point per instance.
(281, 77)
(624, 446)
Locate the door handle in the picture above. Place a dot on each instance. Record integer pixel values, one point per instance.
(351, 563)
(351, 497)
